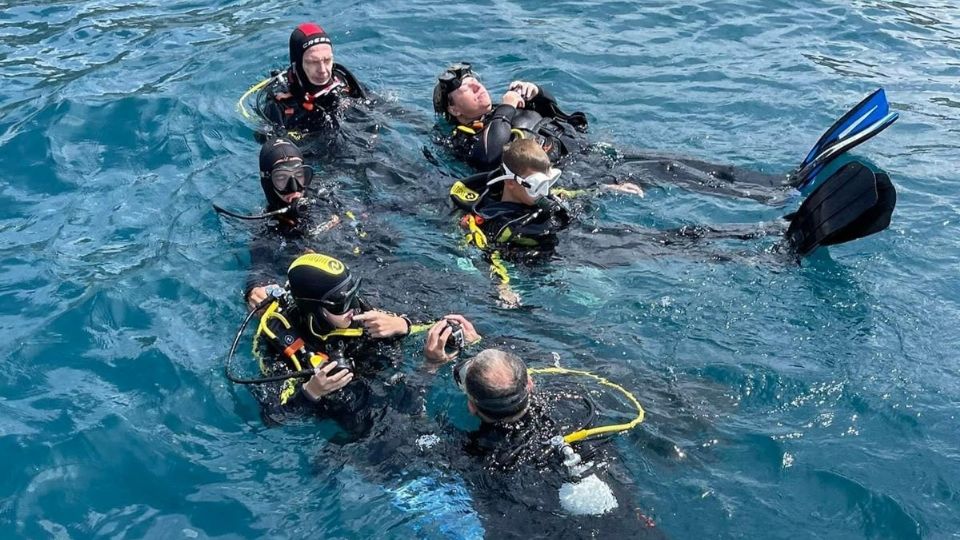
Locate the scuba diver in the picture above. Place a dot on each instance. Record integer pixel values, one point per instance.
(532, 442)
(310, 95)
(293, 218)
(512, 211)
(482, 129)
(527, 110)
(320, 344)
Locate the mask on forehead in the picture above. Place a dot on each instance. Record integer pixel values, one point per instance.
(449, 81)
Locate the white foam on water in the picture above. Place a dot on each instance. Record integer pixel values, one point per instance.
(588, 497)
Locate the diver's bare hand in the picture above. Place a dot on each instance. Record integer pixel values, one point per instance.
(380, 324)
(509, 298)
(527, 90)
(433, 348)
(627, 187)
(322, 383)
(257, 295)
(513, 98)
(470, 335)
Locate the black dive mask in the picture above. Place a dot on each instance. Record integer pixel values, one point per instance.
(340, 299)
(451, 79)
(287, 180)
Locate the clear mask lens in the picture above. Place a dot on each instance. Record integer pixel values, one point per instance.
(538, 184)
(291, 179)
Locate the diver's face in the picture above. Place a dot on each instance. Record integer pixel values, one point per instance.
(318, 64)
(339, 321)
(291, 162)
(470, 101)
(518, 192)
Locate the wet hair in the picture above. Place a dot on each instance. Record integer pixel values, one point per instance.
(524, 156)
(496, 382)
(442, 98)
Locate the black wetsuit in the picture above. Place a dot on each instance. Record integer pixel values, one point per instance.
(521, 472)
(282, 240)
(288, 108)
(560, 134)
(510, 224)
(323, 221)
(353, 406)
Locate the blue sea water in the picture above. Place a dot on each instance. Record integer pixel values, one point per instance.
(812, 401)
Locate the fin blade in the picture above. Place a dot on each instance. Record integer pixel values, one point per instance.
(806, 175)
(871, 109)
(867, 118)
(834, 208)
(874, 220)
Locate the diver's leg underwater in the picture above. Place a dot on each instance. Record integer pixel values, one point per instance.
(856, 126)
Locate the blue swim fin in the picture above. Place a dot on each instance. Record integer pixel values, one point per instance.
(869, 117)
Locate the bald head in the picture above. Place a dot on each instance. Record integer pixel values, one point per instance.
(498, 385)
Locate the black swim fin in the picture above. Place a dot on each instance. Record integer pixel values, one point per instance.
(863, 121)
(852, 203)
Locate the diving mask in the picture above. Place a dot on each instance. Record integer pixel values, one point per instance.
(460, 372)
(340, 299)
(537, 184)
(287, 179)
(451, 79)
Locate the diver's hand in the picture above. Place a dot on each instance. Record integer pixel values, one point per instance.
(527, 90)
(433, 348)
(627, 187)
(470, 335)
(512, 98)
(509, 298)
(380, 324)
(322, 383)
(257, 295)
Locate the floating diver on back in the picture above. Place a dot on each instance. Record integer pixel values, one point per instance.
(527, 110)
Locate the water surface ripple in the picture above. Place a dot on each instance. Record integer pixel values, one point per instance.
(793, 402)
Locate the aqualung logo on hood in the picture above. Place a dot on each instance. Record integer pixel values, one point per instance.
(319, 40)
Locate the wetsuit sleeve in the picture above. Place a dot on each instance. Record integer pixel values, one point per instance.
(544, 103)
(488, 147)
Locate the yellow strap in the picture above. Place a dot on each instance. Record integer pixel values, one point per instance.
(498, 268)
(420, 328)
(271, 313)
(346, 332)
(476, 236)
(288, 390)
(465, 129)
(520, 134)
(255, 88)
(567, 193)
(613, 428)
